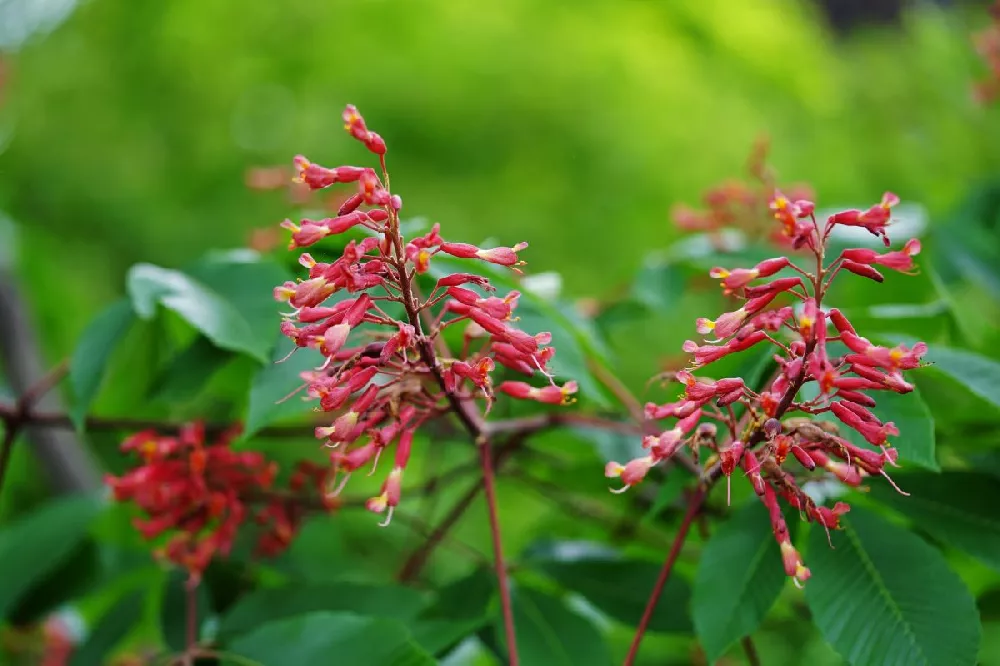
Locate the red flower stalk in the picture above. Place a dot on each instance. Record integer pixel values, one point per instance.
(382, 375)
(778, 452)
(202, 493)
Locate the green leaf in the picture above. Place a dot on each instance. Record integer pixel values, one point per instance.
(113, 626)
(977, 373)
(189, 370)
(220, 319)
(245, 279)
(326, 638)
(398, 603)
(461, 608)
(437, 636)
(39, 542)
(619, 588)
(882, 596)
(959, 508)
(466, 597)
(659, 284)
(549, 633)
(740, 576)
(8, 242)
(276, 381)
(90, 358)
(78, 573)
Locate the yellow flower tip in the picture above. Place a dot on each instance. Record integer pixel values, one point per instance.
(613, 470)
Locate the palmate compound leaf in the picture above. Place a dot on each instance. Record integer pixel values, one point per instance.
(884, 597)
(324, 637)
(959, 508)
(740, 576)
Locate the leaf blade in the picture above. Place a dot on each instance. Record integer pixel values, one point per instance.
(739, 578)
(956, 507)
(883, 596)
(90, 358)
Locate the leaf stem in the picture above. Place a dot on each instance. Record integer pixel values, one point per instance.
(694, 505)
(486, 456)
(750, 650)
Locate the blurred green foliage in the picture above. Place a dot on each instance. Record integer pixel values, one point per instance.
(126, 135)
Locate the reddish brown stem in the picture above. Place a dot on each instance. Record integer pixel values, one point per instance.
(486, 456)
(694, 505)
(750, 650)
(17, 416)
(192, 622)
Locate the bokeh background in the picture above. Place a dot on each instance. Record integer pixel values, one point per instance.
(128, 129)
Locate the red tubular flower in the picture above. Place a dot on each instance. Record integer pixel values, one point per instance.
(631, 473)
(553, 395)
(875, 219)
(317, 177)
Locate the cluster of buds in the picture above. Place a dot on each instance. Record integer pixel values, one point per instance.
(988, 45)
(202, 493)
(384, 368)
(738, 205)
(778, 419)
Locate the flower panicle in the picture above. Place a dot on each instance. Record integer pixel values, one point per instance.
(790, 436)
(198, 495)
(383, 368)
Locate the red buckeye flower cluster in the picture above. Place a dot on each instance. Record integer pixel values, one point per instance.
(202, 493)
(736, 205)
(787, 437)
(384, 367)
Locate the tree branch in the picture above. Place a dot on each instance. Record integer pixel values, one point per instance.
(694, 505)
(65, 460)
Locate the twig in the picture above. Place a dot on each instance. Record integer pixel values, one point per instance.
(619, 390)
(15, 419)
(48, 419)
(694, 504)
(67, 463)
(415, 562)
(192, 622)
(6, 447)
(751, 651)
(507, 608)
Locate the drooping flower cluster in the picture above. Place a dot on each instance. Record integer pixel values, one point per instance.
(988, 45)
(738, 205)
(783, 307)
(202, 494)
(385, 368)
